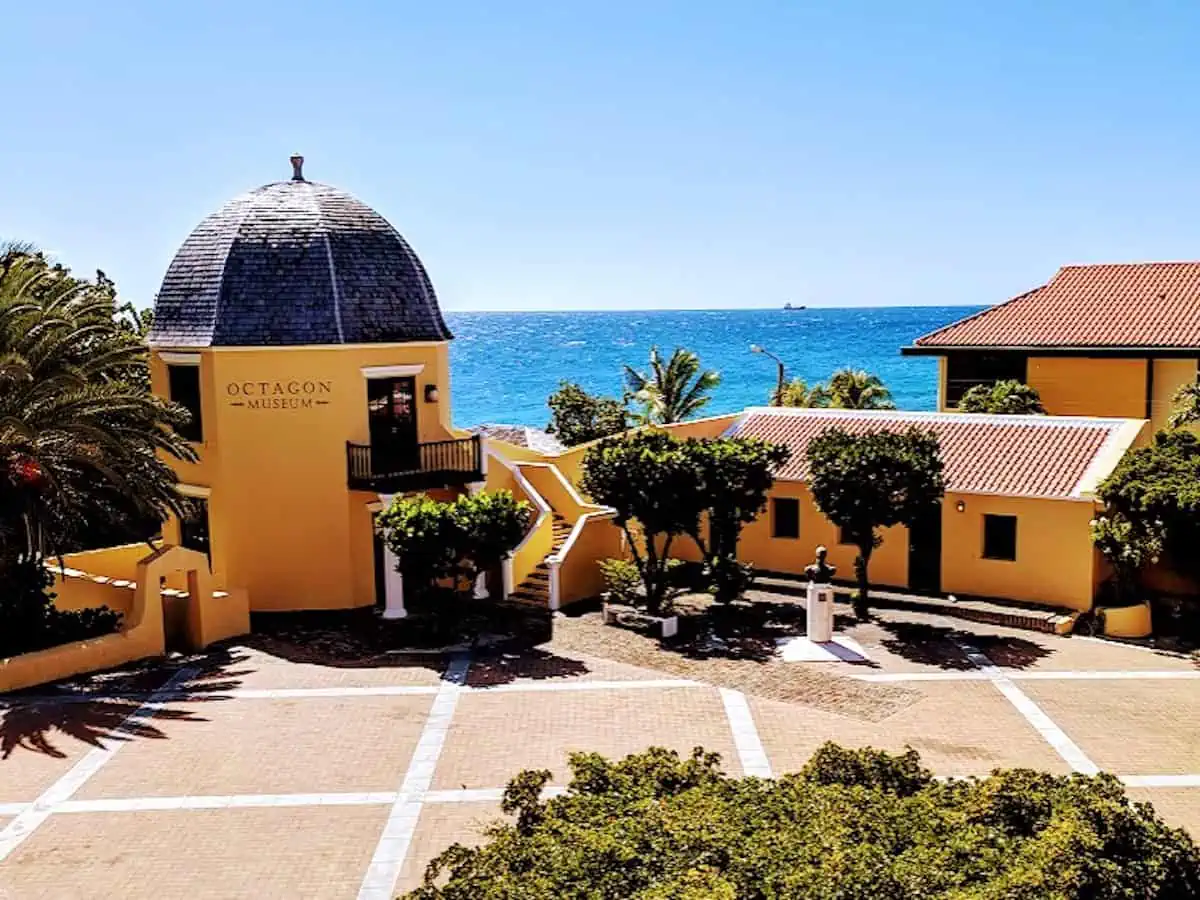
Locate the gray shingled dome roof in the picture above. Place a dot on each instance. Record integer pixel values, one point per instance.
(295, 262)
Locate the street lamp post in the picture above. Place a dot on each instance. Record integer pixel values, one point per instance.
(755, 348)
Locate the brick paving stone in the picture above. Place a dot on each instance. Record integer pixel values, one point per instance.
(440, 825)
(252, 668)
(311, 745)
(966, 728)
(40, 742)
(494, 736)
(1128, 727)
(510, 668)
(315, 853)
(1179, 807)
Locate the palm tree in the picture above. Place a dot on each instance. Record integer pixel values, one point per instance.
(797, 393)
(1186, 406)
(671, 391)
(82, 440)
(854, 389)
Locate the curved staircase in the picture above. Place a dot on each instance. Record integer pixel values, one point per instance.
(535, 590)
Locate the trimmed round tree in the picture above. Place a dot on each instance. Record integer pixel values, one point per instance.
(865, 482)
(1004, 397)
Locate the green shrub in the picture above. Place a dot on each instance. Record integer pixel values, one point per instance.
(851, 825)
(28, 618)
(622, 581)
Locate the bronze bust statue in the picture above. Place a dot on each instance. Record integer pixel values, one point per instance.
(820, 572)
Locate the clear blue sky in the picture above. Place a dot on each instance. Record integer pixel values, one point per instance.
(618, 154)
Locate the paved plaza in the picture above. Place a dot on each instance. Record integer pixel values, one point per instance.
(243, 773)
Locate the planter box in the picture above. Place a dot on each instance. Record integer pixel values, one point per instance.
(623, 616)
(1127, 621)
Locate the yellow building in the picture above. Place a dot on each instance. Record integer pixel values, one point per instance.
(1102, 340)
(1014, 523)
(302, 332)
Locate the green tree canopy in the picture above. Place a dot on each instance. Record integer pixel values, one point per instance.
(1186, 402)
(1156, 488)
(854, 389)
(673, 390)
(652, 482)
(83, 443)
(459, 539)
(797, 393)
(1007, 397)
(851, 825)
(735, 476)
(864, 482)
(578, 417)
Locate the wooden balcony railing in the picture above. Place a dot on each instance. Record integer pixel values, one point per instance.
(390, 469)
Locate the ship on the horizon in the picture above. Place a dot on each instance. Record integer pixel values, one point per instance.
(789, 306)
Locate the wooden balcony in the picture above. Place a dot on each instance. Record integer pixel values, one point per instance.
(391, 469)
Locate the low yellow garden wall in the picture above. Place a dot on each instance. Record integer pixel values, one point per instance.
(1127, 621)
(598, 539)
(214, 616)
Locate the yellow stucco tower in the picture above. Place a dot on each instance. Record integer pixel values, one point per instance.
(304, 335)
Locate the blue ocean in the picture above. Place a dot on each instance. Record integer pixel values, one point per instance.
(504, 365)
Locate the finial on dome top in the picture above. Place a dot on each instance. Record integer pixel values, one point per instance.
(297, 167)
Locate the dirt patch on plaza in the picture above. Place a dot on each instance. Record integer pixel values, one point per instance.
(761, 677)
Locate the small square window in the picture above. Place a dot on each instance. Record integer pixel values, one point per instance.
(1000, 537)
(785, 517)
(184, 386)
(193, 526)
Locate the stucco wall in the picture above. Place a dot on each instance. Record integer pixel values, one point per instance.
(1090, 387)
(1055, 560)
(889, 562)
(1169, 376)
(283, 524)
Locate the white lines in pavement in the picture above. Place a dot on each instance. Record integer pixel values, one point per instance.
(1042, 723)
(392, 849)
(750, 750)
(1048, 675)
(32, 817)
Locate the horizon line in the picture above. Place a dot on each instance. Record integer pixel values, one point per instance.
(616, 309)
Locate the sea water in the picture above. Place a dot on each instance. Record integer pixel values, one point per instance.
(505, 364)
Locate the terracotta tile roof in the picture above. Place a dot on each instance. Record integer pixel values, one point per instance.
(1127, 305)
(1058, 457)
(522, 436)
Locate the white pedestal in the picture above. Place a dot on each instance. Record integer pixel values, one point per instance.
(819, 613)
(393, 607)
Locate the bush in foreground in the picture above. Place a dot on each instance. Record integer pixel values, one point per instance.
(851, 824)
(30, 621)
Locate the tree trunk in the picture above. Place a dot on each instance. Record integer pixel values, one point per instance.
(862, 606)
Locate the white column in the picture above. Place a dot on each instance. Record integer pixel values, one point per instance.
(555, 582)
(819, 613)
(393, 581)
(506, 576)
(481, 591)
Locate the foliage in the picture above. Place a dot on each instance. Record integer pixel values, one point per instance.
(854, 389)
(84, 445)
(671, 391)
(864, 482)
(650, 479)
(621, 580)
(435, 539)
(29, 619)
(1186, 406)
(578, 417)
(852, 825)
(1157, 489)
(797, 393)
(1009, 397)
(1129, 547)
(735, 476)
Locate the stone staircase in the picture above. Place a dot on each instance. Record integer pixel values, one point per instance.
(535, 590)
(1008, 613)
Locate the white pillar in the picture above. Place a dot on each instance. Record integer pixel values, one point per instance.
(481, 591)
(555, 584)
(393, 581)
(819, 613)
(506, 576)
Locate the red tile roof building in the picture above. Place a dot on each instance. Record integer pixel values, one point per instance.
(1131, 306)
(1049, 457)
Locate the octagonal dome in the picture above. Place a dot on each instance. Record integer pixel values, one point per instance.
(295, 263)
